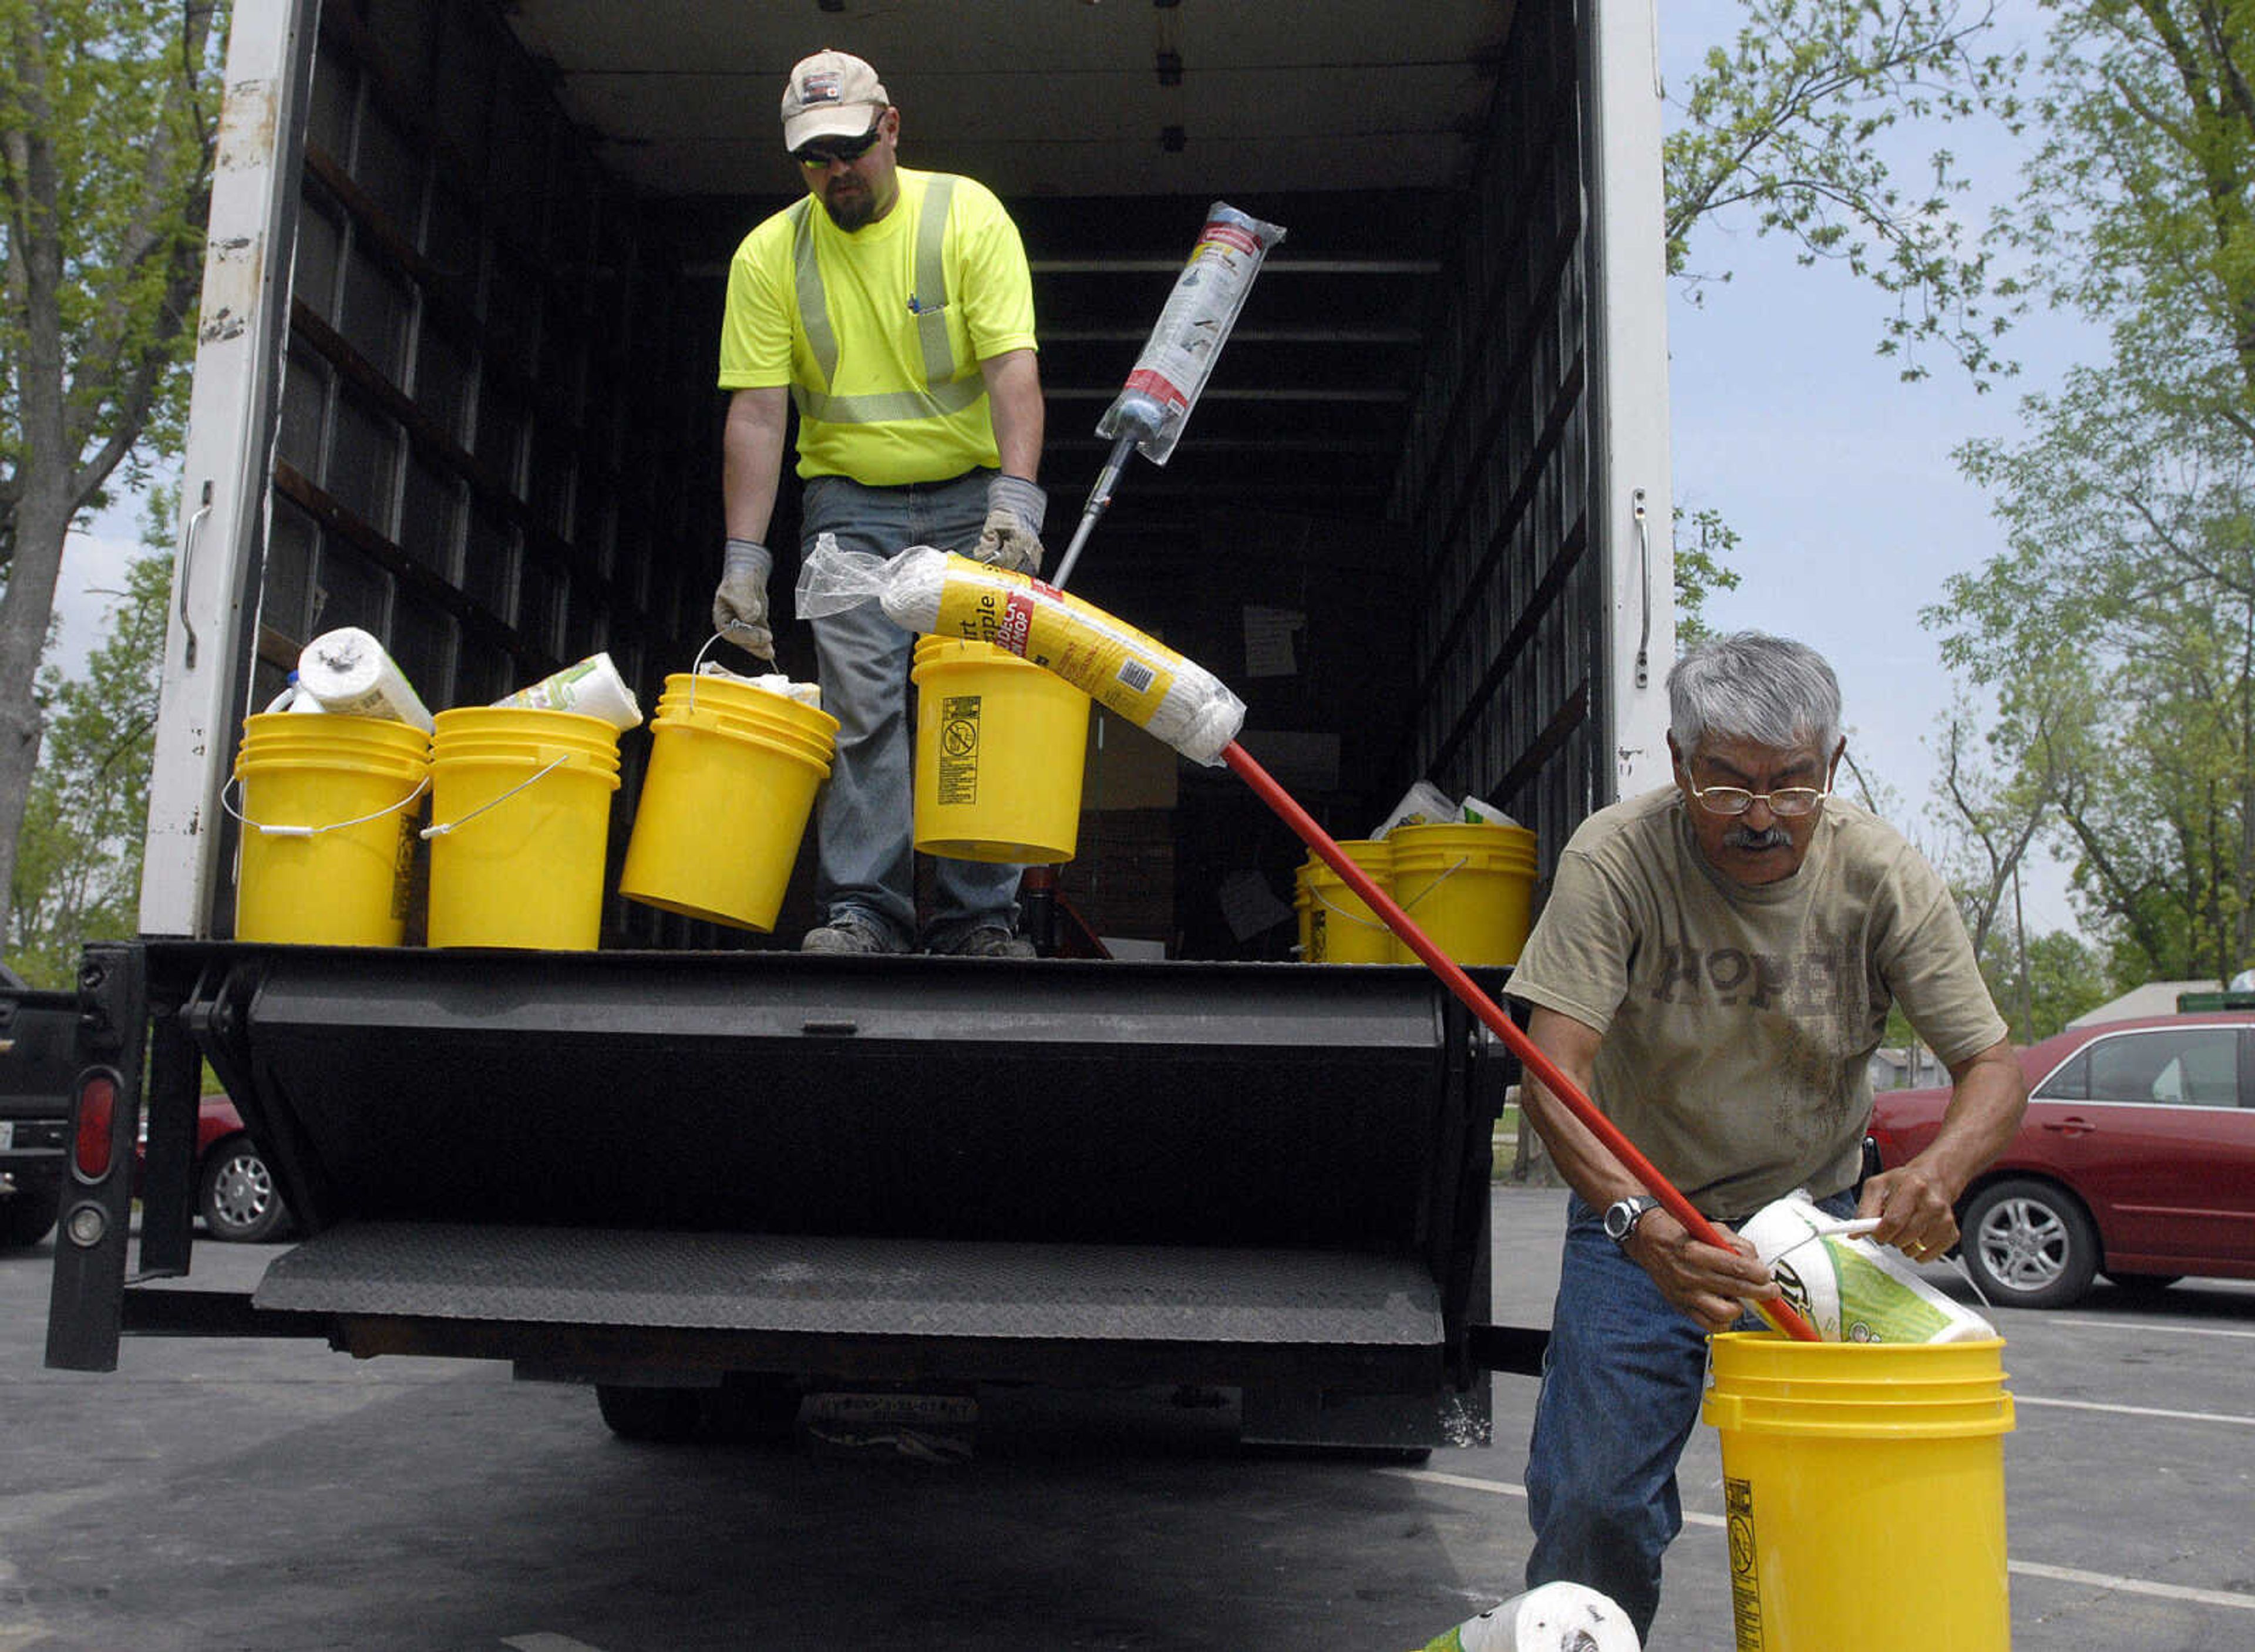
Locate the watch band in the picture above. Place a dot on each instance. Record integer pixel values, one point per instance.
(1623, 1214)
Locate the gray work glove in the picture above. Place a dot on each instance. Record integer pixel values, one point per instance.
(1012, 538)
(740, 607)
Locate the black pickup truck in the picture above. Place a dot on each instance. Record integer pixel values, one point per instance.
(38, 1063)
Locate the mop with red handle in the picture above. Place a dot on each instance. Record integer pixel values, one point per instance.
(1181, 703)
(1780, 1314)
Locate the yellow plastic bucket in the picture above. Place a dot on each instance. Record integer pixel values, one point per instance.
(1470, 886)
(999, 747)
(329, 811)
(725, 802)
(1341, 927)
(520, 815)
(1831, 1452)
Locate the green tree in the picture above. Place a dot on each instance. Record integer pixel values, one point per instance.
(78, 869)
(109, 115)
(1701, 570)
(2065, 975)
(1789, 124)
(2129, 506)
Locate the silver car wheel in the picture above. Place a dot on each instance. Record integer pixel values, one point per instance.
(2025, 1244)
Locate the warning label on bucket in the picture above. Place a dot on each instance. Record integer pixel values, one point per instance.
(959, 748)
(1745, 1576)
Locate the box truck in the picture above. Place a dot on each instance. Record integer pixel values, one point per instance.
(454, 386)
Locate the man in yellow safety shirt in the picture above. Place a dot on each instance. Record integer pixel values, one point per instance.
(895, 308)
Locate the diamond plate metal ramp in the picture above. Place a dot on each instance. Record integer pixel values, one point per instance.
(857, 1286)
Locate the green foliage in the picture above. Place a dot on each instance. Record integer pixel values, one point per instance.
(2128, 587)
(1700, 570)
(1790, 123)
(2061, 975)
(107, 113)
(78, 863)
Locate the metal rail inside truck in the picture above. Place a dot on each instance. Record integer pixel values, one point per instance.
(455, 387)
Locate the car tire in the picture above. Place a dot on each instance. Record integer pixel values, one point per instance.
(2142, 1284)
(236, 1196)
(2028, 1244)
(650, 1416)
(29, 1215)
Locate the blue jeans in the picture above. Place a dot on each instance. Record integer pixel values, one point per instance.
(1621, 1385)
(865, 865)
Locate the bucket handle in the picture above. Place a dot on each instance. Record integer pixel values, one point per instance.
(434, 829)
(696, 666)
(267, 831)
(1406, 905)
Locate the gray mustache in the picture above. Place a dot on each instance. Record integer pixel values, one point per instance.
(1774, 837)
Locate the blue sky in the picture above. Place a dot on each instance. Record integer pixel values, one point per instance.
(1836, 474)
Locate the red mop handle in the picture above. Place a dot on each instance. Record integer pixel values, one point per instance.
(1780, 1314)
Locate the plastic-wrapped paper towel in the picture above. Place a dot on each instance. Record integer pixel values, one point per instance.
(1559, 1617)
(1425, 804)
(808, 695)
(592, 688)
(1849, 1289)
(349, 672)
(1114, 664)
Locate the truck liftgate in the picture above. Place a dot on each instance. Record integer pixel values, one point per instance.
(673, 1169)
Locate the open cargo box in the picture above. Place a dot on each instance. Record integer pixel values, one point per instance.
(454, 386)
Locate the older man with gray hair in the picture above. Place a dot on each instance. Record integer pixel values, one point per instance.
(1714, 967)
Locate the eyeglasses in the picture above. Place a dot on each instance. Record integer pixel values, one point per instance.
(1788, 803)
(845, 151)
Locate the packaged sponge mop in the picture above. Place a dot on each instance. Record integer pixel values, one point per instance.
(921, 589)
(1848, 1288)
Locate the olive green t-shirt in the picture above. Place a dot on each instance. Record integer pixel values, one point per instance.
(1738, 1021)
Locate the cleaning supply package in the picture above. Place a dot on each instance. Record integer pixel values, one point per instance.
(1848, 1288)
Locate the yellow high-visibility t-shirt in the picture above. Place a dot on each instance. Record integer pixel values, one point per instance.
(872, 419)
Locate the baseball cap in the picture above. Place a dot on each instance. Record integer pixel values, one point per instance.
(830, 94)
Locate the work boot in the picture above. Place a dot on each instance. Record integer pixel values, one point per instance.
(849, 932)
(990, 940)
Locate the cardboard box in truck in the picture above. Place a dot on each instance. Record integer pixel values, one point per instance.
(455, 387)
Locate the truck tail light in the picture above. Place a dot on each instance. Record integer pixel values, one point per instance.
(97, 1108)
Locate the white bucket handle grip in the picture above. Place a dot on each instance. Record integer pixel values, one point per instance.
(264, 830)
(435, 829)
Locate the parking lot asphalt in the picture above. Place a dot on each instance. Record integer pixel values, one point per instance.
(271, 1494)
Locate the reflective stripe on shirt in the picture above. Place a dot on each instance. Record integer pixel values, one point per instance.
(943, 393)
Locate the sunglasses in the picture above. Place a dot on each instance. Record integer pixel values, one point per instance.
(844, 152)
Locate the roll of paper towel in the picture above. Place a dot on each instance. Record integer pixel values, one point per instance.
(348, 671)
(592, 688)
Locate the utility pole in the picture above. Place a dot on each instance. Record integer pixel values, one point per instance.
(2020, 942)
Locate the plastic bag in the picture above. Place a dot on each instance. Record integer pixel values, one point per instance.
(1559, 1617)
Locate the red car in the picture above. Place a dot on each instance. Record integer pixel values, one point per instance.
(2135, 1160)
(235, 1193)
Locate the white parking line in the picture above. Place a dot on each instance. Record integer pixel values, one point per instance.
(2147, 1327)
(2024, 1568)
(2138, 1410)
(542, 1641)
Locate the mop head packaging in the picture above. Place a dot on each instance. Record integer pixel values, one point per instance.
(1849, 1289)
(1114, 664)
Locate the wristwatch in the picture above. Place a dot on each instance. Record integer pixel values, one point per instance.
(1623, 1214)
